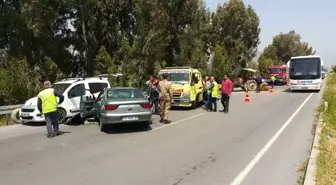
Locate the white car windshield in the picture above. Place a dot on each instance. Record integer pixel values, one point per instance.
(61, 87)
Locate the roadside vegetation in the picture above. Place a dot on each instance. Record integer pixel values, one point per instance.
(326, 161)
(47, 40)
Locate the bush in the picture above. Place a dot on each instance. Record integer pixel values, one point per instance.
(326, 161)
(18, 82)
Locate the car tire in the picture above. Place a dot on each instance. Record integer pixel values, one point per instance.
(102, 127)
(61, 115)
(15, 117)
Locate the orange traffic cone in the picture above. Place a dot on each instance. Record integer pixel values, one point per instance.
(271, 89)
(247, 98)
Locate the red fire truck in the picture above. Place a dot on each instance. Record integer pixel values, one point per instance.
(280, 73)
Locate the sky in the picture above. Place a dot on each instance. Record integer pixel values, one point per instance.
(315, 21)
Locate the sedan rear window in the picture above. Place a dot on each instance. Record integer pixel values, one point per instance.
(124, 94)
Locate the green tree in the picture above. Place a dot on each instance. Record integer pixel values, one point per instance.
(220, 66)
(285, 46)
(253, 65)
(263, 66)
(16, 87)
(235, 27)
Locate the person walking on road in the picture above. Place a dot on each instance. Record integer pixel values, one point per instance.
(273, 81)
(155, 96)
(226, 93)
(259, 82)
(166, 98)
(47, 104)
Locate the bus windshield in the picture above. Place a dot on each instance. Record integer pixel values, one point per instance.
(305, 68)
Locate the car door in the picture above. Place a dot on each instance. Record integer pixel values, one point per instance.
(74, 95)
(193, 87)
(90, 106)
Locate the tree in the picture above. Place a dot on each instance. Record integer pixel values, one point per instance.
(285, 46)
(263, 66)
(220, 66)
(253, 65)
(235, 27)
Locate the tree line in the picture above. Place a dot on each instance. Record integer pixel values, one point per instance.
(53, 39)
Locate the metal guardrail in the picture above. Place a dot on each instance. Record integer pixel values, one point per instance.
(8, 109)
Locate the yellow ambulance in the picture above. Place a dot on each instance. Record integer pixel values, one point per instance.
(187, 85)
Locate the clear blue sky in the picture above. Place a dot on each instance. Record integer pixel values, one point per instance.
(315, 21)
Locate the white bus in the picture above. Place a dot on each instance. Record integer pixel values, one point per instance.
(305, 73)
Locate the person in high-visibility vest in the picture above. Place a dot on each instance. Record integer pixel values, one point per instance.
(273, 81)
(213, 94)
(47, 104)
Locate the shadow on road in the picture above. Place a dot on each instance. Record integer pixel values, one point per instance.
(126, 128)
(300, 91)
(64, 132)
(34, 124)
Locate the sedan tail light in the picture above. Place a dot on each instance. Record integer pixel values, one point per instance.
(146, 106)
(111, 107)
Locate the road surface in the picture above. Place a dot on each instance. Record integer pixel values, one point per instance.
(263, 142)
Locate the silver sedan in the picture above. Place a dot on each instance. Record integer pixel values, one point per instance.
(118, 105)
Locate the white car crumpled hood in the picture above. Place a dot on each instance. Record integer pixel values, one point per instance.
(32, 102)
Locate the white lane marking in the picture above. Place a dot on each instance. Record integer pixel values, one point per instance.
(179, 121)
(239, 179)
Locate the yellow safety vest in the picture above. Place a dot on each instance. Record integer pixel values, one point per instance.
(215, 90)
(273, 78)
(49, 101)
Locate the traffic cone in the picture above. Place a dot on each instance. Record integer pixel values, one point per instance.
(247, 98)
(271, 89)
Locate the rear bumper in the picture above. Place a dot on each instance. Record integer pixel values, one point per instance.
(118, 118)
(305, 87)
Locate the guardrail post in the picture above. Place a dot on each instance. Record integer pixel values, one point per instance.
(7, 119)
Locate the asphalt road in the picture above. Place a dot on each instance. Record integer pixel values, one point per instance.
(257, 143)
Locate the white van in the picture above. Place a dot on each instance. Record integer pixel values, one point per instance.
(72, 90)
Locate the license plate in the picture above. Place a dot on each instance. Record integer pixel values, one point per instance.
(24, 114)
(304, 87)
(131, 118)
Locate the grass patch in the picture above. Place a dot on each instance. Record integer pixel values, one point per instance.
(302, 169)
(326, 160)
(2, 121)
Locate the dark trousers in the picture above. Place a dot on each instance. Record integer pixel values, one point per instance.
(258, 88)
(205, 96)
(214, 102)
(52, 122)
(155, 103)
(225, 102)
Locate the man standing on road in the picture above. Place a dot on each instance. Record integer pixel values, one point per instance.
(273, 81)
(166, 98)
(259, 82)
(226, 93)
(206, 85)
(213, 94)
(155, 96)
(47, 104)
